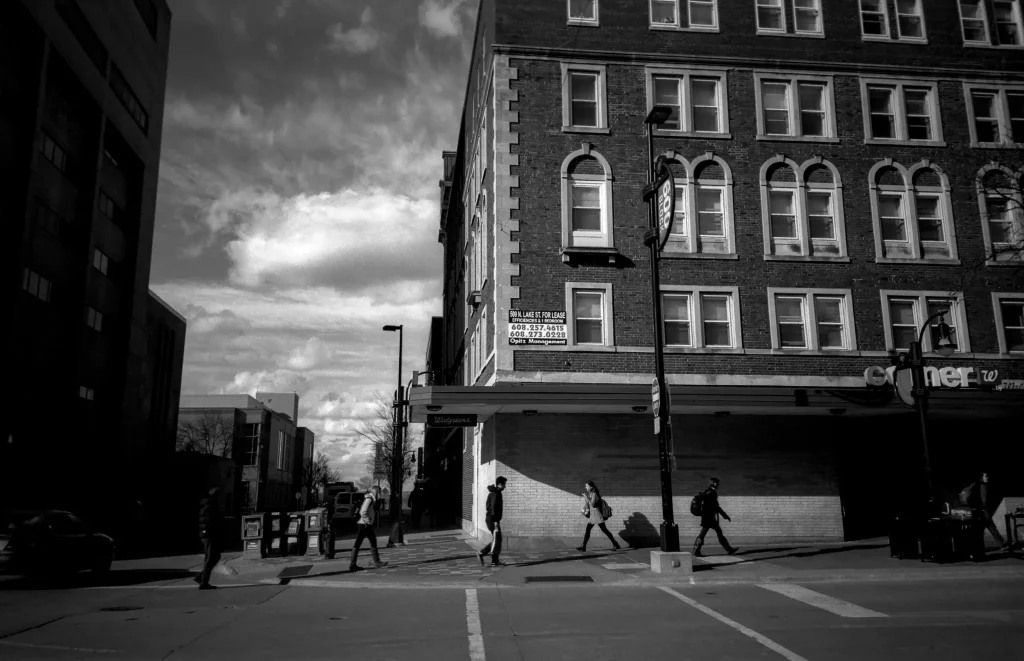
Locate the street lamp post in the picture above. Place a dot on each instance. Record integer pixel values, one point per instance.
(669, 530)
(944, 347)
(397, 455)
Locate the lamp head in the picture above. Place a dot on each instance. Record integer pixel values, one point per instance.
(390, 327)
(658, 115)
(945, 346)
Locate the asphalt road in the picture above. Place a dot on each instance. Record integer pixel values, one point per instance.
(907, 620)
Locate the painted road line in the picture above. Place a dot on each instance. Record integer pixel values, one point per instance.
(626, 565)
(767, 642)
(476, 634)
(58, 647)
(722, 559)
(819, 600)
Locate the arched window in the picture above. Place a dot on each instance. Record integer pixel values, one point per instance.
(586, 200)
(703, 223)
(802, 210)
(1002, 212)
(912, 212)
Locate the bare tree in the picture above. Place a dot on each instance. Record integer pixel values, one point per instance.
(206, 434)
(378, 427)
(318, 473)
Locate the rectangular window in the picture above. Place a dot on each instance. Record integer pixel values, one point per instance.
(770, 16)
(93, 318)
(1008, 22)
(820, 215)
(124, 93)
(818, 320)
(892, 214)
(703, 13)
(280, 450)
(664, 12)
(47, 218)
(584, 100)
(695, 101)
(679, 222)
(86, 393)
(974, 21)
(710, 211)
(997, 116)
(783, 213)
(588, 317)
(54, 153)
(874, 18)
(929, 218)
(100, 261)
(1010, 322)
(106, 205)
(900, 112)
(904, 313)
(36, 284)
(807, 16)
(716, 319)
(583, 11)
(676, 312)
(796, 108)
(910, 19)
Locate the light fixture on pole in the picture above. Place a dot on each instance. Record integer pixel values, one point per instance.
(660, 193)
(397, 456)
(944, 346)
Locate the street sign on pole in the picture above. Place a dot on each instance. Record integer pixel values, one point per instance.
(656, 405)
(666, 204)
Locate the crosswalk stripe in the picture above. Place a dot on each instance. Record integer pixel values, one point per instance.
(819, 600)
(786, 653)
(476, 637)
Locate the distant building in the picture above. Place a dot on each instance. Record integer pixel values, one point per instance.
(80, 138)
(264, 443)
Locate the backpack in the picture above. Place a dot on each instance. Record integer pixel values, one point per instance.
(606, 509)
(697, 504)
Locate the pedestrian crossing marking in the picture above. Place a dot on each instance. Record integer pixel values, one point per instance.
(721, 559)
(823, 601)
(625, 565)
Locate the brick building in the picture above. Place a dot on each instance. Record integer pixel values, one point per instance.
(80, 125)
(843, 170)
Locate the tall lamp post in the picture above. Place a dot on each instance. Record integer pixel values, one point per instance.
(397, 455)
(669, 530)
(944, 346)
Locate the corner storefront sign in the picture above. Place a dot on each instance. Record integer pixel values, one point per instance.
(939, 377)
(451, 420)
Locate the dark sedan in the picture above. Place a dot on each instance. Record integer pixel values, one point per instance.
(53, 542)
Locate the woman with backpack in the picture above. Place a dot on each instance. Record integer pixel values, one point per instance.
(598, 511)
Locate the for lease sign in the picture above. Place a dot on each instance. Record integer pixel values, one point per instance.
(537, 327)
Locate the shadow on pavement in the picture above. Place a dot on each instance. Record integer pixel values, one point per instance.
(572, 558)
(113, 578)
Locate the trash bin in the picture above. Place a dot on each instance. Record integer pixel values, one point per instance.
(274, 535)
(316, 530)
(254, 528)
(295, 534)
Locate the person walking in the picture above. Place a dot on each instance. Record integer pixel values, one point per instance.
(710, 509)
(328, 526)
(365, 530)
(597, 511)
(979, 498)
(495, 508)
(210, 524)
(417, 499)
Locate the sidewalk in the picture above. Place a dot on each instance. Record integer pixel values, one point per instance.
(447, 559)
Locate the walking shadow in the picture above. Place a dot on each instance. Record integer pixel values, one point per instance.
(112, 578)
(638, 532)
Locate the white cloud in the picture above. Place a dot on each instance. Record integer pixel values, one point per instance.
(358, 40)
(442, 19)
(308, 356)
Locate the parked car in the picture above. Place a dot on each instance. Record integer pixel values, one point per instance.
(53, 541)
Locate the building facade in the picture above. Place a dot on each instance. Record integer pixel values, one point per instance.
(80, 132)
(843, 171)
(266, 445)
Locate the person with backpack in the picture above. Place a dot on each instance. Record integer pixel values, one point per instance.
(367, 521)
(495, 509)
(977, 496)
(706, 503)
(210, 531)
(598, 511)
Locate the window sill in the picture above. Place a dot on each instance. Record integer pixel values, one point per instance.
(796, 138)
(1017, 262)
(761, 32)
(583, 22)
(586, 129)
(904, 143)
(571, 252)
(920, 41)
(993, 46)
(670, 133)
(876, 37)
(995, 145)
(899, 260)
(676, 254)
(709, 350)
(806, 258)
(679, 28)
(779, 351)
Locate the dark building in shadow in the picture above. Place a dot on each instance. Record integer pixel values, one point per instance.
(93, 359)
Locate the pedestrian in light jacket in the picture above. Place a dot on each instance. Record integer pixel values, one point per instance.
(594, 509)
(710, 510)
(210, 524)
(365, 530)
(495, 508)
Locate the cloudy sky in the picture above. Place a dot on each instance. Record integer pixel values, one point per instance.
(298, 203)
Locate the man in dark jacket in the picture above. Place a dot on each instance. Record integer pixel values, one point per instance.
(710, 509)
(328, 527)
(495, 508)
(417, 499)
(210, 524)
(980, 501)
